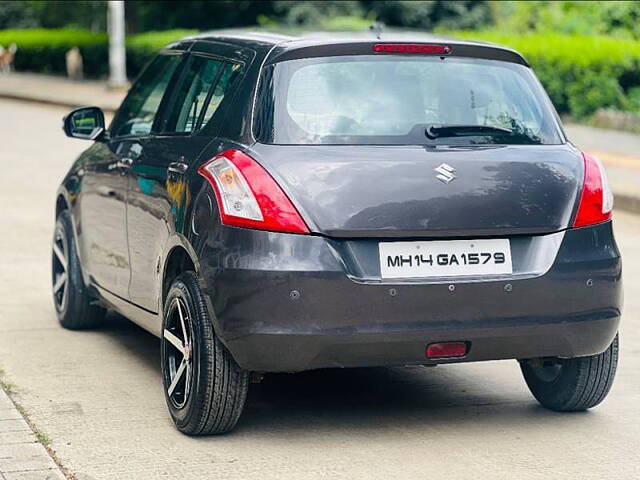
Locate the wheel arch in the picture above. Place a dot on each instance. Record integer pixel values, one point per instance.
(61, 203)
(179, 257)
(65, 196)
(65, 202)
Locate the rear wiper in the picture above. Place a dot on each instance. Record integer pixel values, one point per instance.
(435, 131)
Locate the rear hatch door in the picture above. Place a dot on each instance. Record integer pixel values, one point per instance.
(416, 191)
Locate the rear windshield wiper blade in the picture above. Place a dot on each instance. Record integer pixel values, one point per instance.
(435, 131)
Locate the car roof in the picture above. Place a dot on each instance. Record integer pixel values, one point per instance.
(289, 46)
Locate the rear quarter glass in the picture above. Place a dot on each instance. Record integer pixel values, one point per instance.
(391, 99)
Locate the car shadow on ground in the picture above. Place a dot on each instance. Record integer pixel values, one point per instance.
(134, 340)
(376, 399)
(365, 399)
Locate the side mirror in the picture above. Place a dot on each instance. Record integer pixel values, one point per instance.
(86, 123)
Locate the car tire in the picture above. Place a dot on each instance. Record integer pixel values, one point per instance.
(569, 385)
(73, 302)
(209, 394)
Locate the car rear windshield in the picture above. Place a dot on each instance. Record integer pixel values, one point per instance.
(379, 100)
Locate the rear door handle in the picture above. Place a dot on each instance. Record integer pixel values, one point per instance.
(177, 167)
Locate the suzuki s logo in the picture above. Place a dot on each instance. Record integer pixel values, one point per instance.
(445, 173)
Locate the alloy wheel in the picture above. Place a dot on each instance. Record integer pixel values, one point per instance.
(59, 275)
(177, 342)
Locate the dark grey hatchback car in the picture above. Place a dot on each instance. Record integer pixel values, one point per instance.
(274, 204)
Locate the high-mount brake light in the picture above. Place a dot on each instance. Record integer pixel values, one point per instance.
(248, 196)
(596, 200)
(417, 48)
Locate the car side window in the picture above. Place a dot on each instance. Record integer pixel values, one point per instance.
(230, 72)
(205, 83)
(138, 112)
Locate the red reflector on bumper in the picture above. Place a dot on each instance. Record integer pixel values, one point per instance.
(446, 349)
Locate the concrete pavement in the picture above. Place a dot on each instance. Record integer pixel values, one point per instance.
(60, 91)
(98, 394)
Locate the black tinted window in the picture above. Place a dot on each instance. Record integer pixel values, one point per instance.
(230, 73)
(393, 99)
(138, 111)
(205, 83)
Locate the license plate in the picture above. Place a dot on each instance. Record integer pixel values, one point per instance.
(450, 258)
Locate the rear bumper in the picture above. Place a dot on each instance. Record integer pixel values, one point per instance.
(573, 309)
(293, 352)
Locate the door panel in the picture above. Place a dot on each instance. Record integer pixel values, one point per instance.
(102, 229)
(103, 202)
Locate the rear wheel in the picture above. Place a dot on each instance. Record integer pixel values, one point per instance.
(73, 302)
(204, 388)
(575, 384)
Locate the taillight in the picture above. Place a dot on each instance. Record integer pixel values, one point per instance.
(248, 196)
(596, 201)
(417, 48)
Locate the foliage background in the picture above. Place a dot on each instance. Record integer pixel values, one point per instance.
(616, 18)
(586, 53)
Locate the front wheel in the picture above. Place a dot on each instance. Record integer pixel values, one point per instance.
(204, 387)
(569, 385)
(75, 307)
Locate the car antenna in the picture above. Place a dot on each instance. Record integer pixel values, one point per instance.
(376, 28)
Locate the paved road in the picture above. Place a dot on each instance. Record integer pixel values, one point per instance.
(98, 394)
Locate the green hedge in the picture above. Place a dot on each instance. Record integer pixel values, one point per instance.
(43, 50)
(581, 73)
(142, 47)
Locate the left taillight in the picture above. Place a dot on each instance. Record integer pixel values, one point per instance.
(248, 196)
(596, 200)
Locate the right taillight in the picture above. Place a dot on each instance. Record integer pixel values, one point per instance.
(596, 201)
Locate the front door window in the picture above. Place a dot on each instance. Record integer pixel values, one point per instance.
(138, 112)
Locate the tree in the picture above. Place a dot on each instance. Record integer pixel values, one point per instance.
(427, 15)
(53, 14)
